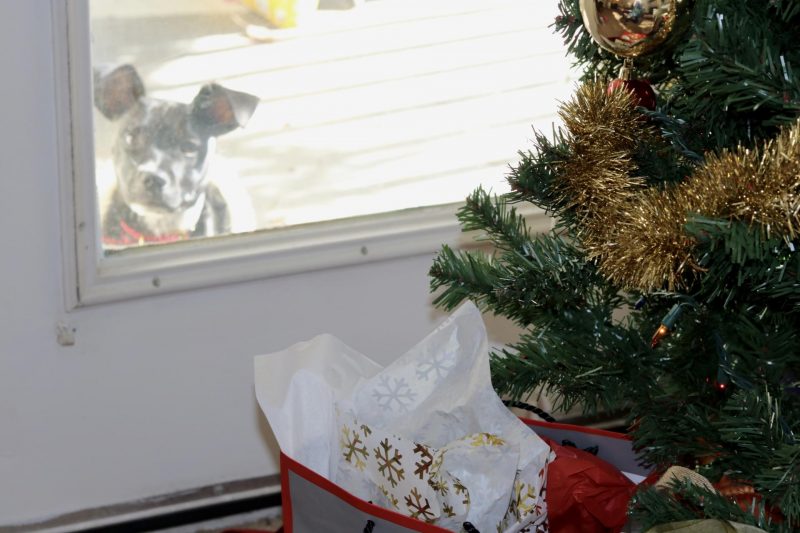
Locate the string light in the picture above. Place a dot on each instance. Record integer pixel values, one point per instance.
(723, 364)
(667, 325)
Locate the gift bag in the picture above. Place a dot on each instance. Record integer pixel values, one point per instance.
(424, 444)
(312, 504)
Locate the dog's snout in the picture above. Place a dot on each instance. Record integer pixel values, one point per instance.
(154, 182)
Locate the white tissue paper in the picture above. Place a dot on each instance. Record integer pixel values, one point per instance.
(426, 436)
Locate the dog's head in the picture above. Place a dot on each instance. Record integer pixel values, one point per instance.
(162, 148)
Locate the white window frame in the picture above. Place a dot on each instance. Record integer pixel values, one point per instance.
(91, 277)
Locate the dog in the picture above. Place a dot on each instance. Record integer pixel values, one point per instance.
(162, 190)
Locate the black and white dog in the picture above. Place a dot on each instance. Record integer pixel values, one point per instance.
(161, 151)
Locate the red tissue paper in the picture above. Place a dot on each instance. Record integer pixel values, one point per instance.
(585, 494)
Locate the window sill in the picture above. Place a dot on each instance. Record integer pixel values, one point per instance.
(208, 262)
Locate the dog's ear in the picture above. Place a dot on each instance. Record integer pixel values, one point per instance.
(116, 90)
(217, 110)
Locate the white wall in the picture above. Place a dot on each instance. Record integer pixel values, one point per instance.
(156, 396)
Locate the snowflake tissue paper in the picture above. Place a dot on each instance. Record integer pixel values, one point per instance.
(426, 436)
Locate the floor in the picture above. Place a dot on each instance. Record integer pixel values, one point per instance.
(268, 520)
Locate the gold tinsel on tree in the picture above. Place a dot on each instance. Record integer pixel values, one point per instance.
(636, 233)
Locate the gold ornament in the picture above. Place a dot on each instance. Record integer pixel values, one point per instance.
(632, 28)
(636, 233)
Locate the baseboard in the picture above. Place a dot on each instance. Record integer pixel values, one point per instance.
(166, 510)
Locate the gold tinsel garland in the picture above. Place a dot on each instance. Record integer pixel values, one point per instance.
(636, 233)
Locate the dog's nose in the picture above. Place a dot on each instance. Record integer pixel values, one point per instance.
(154, 182)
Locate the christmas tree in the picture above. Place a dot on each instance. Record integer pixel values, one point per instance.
(668, 289)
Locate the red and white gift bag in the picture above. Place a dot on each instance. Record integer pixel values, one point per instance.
(424, 444)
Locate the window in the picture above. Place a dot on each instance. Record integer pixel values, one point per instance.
(304, 124)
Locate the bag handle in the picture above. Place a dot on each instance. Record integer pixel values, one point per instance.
(468, 527)
(541, 413)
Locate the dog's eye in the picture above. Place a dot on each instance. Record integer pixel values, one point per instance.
(190, 148)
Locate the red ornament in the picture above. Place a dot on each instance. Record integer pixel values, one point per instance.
(641, 91)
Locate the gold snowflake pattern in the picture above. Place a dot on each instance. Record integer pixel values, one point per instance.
(435, 480)
(425, 462)
(448, 510)
(525, 500)
(389, 464)
(417, 509)
(462, 490)
(486, 439)
(438, 485)
(390, 497)
(353, 450)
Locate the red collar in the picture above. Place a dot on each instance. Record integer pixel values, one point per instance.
(130, 237)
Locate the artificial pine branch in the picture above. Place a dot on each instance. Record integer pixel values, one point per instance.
(742, 264)
(499, 221)
(736, 76)
(535, 284)
(534, 178)
(763, 447)
(578, 358)
(464, 275)
(685, 138)
(686, 501)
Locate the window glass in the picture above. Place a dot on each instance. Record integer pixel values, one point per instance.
(227, 116)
